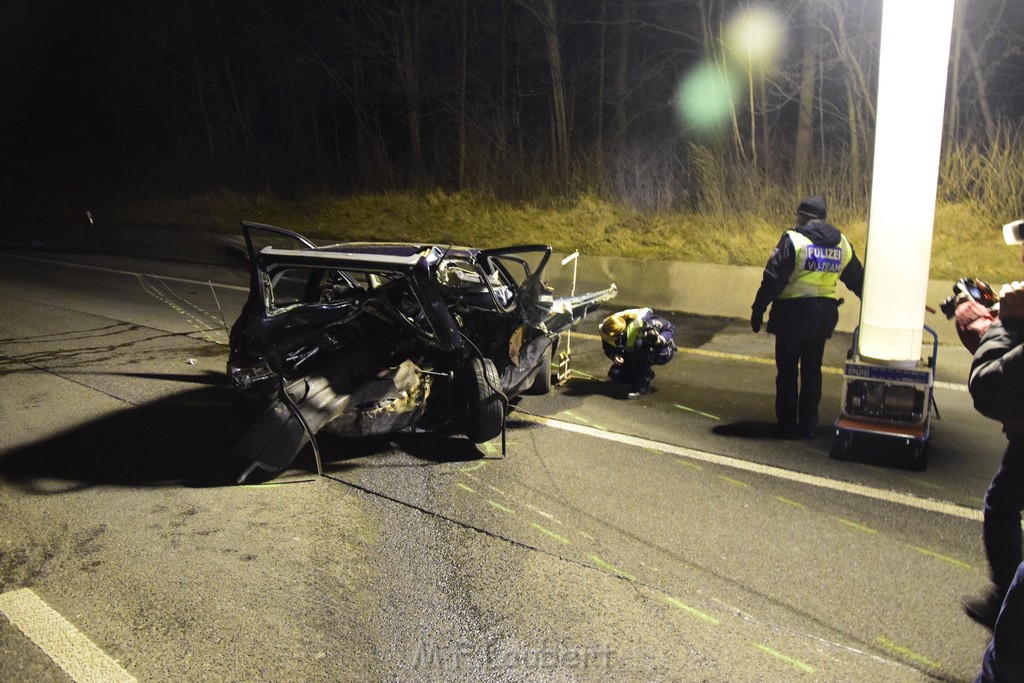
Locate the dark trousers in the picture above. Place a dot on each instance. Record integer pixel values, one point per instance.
(798, 358)
(1004, 501)
(635, 371)
(1004, 658)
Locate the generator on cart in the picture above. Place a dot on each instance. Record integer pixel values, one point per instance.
(892, 401)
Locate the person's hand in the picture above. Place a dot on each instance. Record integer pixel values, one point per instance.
(756, 320)
(1011, 301)
(968, 311)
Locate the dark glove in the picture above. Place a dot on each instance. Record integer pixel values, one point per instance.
(652, 337)
(756, 320)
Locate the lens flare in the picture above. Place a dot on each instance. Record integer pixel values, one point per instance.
(704, 97)
(754, 36)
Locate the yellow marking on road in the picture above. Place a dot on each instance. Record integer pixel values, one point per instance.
(692, 610)
(889, 496)
(760, 360)
(193, 321)
(69, 648)
(474, 468)
(858, 527)
(944, 558)
(171, 292)
(580, 418)
(687, 463)
(734, 482)
(906, 652)
(698, 412)
(499, 506)
(612, 568)
(552, 534)
(803, 666)
(465, 488)
(787, 501)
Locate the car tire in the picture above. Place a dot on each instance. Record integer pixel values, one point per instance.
(485, 405)
(542, 381)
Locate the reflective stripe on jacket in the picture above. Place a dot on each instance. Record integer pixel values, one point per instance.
(635, 320)
(816, 268)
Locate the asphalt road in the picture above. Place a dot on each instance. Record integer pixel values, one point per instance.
(667, 538)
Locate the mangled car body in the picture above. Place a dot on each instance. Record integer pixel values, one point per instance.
(365, 338)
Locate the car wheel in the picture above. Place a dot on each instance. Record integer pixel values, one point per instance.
(542, 382)
(485, 409)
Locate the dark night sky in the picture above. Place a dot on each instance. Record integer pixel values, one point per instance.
(197, 93)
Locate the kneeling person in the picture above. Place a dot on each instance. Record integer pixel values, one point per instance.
(635, 340)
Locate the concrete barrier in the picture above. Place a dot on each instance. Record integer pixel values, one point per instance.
(696, 288)
(707, 289)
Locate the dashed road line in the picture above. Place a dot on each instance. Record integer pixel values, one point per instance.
(607, 566)
(691, 610)
(550, 533)
(906, 652)
(944, 558)
(499, 506)
(792, 503)
(69, 648)
(858, 527)
(803, 666)
(698, 412)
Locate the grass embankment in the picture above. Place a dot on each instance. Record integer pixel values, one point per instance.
(964, 243)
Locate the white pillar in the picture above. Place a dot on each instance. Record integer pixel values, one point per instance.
(908, 136)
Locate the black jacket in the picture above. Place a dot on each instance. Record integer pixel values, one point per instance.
(812, 316)
(997, 374)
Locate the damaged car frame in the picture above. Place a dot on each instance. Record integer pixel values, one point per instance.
(367, 338)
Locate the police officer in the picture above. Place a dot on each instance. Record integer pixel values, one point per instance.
(634, 340)
(799, 282)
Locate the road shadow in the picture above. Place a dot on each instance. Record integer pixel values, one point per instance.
(749, 430)
(185, 440)
(180, 440)
(585, 386)
(880, 451)
(429, 448)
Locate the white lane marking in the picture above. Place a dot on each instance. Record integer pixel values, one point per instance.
(777, 472)
(74, 653)
(204, 283)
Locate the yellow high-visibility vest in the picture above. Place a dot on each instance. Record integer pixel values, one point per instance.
(634, 318)
(817, 268)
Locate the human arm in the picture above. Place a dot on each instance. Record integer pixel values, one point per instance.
(997, 372)
(972, 322)
(614, 353)
(853, 275)
(773, 280)
(655, 325)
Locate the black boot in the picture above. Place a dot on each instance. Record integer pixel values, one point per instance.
(984, 607)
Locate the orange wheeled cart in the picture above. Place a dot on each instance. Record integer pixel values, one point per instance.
(887, 400)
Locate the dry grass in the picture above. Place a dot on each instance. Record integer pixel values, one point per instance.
(738, 217)
(966, 240)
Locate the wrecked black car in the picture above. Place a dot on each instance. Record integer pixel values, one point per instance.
(365, 338)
